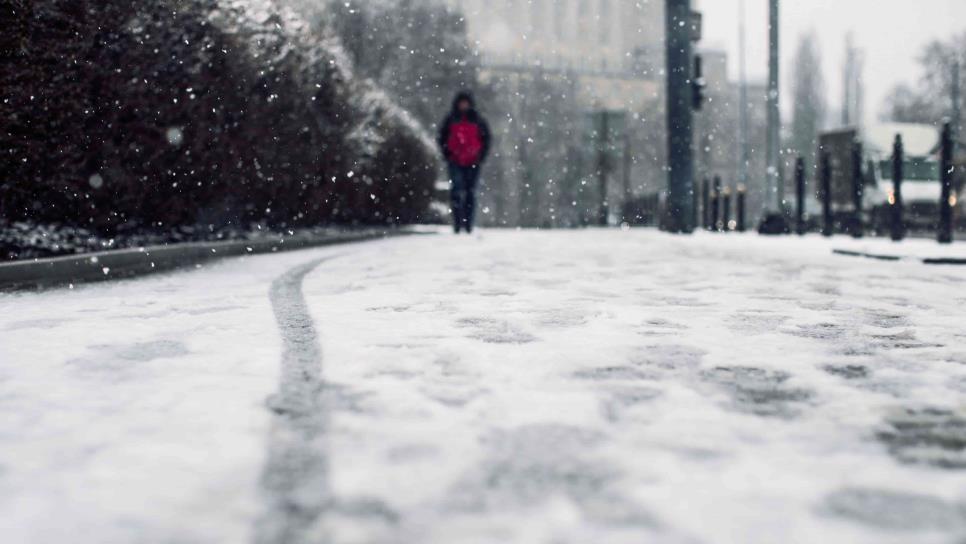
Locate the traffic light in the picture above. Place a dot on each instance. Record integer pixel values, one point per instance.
(697, 84)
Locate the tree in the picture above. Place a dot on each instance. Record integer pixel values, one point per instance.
(906, 105)
(809, 99)
(853, 88)
(143, 117)
(930, 100)
(418, 51)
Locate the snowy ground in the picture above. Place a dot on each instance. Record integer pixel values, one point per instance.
(522, 387)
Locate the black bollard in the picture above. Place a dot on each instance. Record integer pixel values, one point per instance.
(895, 199)
(858, 190)
(715, 205)
(740, 227)
(695, 205)
(800, 196)
(705, 203)
(826, 194)
(945, 234)
(726, 209)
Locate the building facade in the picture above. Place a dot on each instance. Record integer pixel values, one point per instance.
(602, 56)
(559, 65)
(716, 131)
(613, 47)
(609, 36)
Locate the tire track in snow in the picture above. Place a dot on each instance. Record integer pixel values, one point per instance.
(295, 478)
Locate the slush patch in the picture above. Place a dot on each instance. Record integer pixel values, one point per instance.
(829, 289)
(612, 373)
(36, 324)
(117, 359)
(562, 318)
(688, 302)
(619, 399)
(928, 436)
(214, 310)
(755, 322)
(669, 358)
(886, 320)
(149, 351)
(528, 465)
(759, 391)
(660, 327)
(495, 331)
(849, 372)
(659, 323)
(895, 511)
(901, 340)
(818, 331)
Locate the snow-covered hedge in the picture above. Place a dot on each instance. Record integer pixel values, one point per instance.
(130, 116)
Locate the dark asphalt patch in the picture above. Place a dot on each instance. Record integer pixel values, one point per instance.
(530, 464)
(121, 361)
(849, 372)
(495, 331)
(928, 436)
(668, 358)
(818, 331)
(612, 373)
(759, 391)
(895, 511)
(755, 322)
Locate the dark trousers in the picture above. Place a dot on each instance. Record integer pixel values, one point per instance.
(463, 180)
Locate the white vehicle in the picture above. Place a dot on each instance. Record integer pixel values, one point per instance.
(921, 186)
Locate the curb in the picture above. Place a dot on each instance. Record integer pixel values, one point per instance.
(897, 258)
(126, 263)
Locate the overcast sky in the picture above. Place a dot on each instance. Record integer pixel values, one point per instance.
(892, 33)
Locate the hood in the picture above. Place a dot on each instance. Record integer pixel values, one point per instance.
(464, 95)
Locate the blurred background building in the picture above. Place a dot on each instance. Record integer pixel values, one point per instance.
(581, 85)
(609, 36)
(717, 140)
(566, 70)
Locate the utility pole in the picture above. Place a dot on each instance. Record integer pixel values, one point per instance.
(525, 203)
(898, 230)
(800, 196)
(847, 82)
(628, 163)
(826, 171)
(603, 167)
(706, 204)
(679, 34)
(945, 234)
(743, 155)
(775, 196)
(716, 205)
(853, 107)
(858, 189)
(957, 107)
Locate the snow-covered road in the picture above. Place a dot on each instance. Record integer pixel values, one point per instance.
(522, 387)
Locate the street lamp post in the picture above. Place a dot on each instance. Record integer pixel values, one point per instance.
(679, 30)
(775, 220)
(945, 234)
(898, 231)
(775, 189)
(603, 168)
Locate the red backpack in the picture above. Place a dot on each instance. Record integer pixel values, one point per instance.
(465, 144)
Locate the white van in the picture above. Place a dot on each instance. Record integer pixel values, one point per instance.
(921, 186)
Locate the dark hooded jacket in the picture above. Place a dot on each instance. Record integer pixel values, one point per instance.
(472, 116)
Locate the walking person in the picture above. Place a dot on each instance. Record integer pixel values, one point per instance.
(464, 138)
